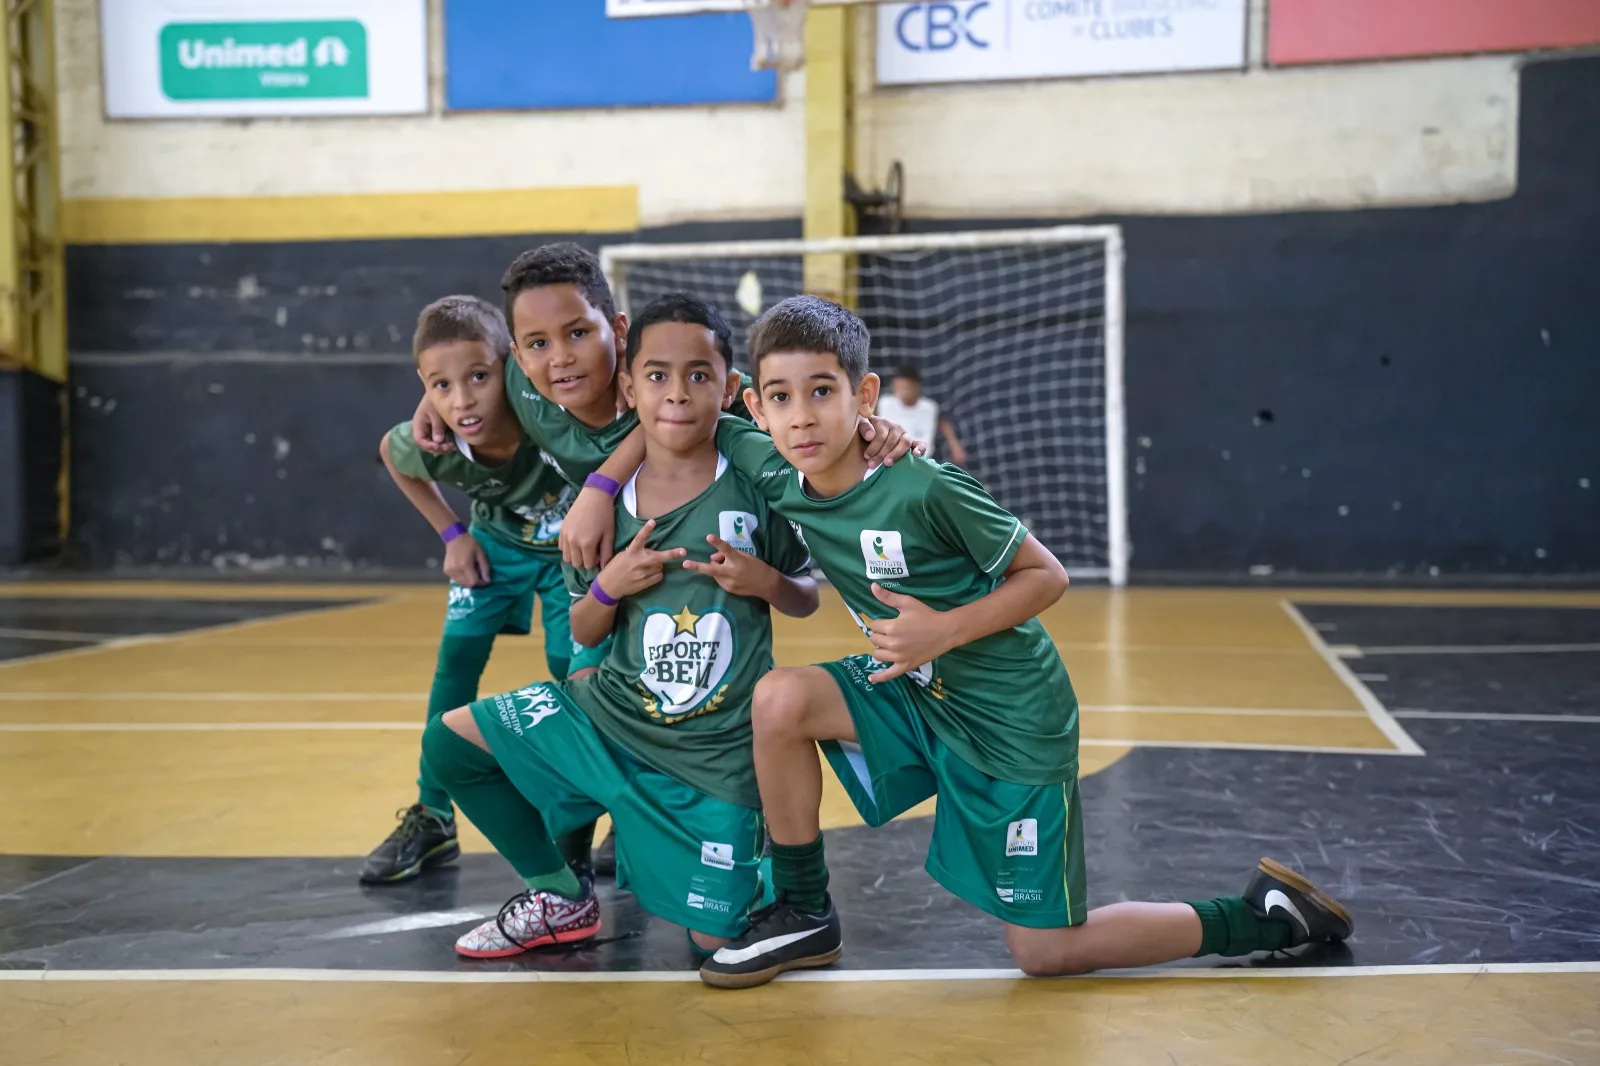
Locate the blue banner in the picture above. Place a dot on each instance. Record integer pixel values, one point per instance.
(523, 54)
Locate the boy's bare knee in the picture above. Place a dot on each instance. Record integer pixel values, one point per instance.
(707, 942)
(1044, 952)
(780, 704)
(462, 724)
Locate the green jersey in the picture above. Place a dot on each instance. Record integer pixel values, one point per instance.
(522, 501)
(1003, 703)
(575, 450)
(685, 653)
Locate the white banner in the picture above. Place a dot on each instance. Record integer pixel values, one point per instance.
(996, 40)
(243, 58)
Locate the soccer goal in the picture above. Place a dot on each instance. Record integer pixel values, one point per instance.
(1017, 334)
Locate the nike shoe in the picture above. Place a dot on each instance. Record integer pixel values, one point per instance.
(781, 937)
(1275, 891)
(422, 839)
(533, 920)
(605, 856)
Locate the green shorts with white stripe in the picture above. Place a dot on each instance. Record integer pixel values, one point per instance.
(1013, 850)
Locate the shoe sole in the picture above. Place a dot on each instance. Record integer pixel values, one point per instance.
(761, 977)
(1279, 871)
(440, 856)
(543, 942)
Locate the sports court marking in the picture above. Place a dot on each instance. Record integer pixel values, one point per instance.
(1478, 649)
(1381, 718)
(446, 977)
(1490, 716)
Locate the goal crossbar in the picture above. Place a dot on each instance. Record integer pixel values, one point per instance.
(615, 258)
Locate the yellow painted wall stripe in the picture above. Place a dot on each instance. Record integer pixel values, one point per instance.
(499, 212)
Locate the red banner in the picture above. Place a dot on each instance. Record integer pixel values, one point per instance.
(1331, 31)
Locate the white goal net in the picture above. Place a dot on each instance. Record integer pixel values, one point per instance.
(1017, 334)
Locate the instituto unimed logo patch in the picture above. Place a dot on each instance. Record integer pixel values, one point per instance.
(884, 554)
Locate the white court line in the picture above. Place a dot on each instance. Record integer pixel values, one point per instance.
(1485, 716)
(1480, 649)
(1371, 704)
(415, 726)
(451, 977)
(167, 638)
(218, 697)
(413, 697)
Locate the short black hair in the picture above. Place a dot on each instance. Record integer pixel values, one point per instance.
(680, 307)
(563, 263)
(909, 372)
(812, 324)
(461, 318)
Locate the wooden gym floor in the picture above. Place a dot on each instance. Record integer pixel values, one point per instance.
(189, 774)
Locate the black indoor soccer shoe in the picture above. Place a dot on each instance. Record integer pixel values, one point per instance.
(1275, 891)
(781, 937)
(422, 839)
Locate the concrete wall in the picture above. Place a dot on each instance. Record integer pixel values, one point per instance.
(1351, 248)
(687, 162)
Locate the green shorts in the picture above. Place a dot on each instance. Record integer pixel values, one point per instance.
(689, 858)
(1013, 850)
(505, 604)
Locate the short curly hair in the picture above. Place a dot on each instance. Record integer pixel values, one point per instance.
(563, 263)
(461, 318)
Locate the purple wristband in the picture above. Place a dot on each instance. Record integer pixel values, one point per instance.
(605, 485)
(601, 594)
(452, 532)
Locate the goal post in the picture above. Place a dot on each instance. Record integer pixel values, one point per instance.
(1017, 334)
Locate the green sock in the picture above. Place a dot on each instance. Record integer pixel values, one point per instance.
(1230, 926)
(563, 883)
(800, 872)
(486, 795)
(443, 815)
(577, 846)
(455, 684)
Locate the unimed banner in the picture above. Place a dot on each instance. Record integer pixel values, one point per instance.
(1330, 31)
(997, 40)
(241, 58)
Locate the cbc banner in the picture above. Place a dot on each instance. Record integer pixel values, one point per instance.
(244, 58)
(998, 40)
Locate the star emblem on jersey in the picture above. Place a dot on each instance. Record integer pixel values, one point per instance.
(686, 656)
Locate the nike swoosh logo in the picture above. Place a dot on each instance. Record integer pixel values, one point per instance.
(1277, 900)
(732, 956)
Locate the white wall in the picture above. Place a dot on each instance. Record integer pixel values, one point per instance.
(690, 162)
(1397, 133)
(1413, 132)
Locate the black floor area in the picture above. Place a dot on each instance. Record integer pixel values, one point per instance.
(38, 625)
(1487, 849)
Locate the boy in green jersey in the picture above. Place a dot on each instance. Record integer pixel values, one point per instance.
(567, 341)
(964, 696)
(496, 567)
(660, 735)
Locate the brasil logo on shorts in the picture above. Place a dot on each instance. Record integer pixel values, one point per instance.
(686, 656)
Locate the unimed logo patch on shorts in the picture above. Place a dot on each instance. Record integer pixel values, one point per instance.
(884, 554)
(718, 855)
(1022, 837)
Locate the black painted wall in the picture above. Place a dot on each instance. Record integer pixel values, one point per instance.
(1381, 392)
(30, 467)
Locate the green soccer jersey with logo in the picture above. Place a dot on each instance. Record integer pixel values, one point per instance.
(1003, 703)
(685, 653)
(522, 501)
(574, 449)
